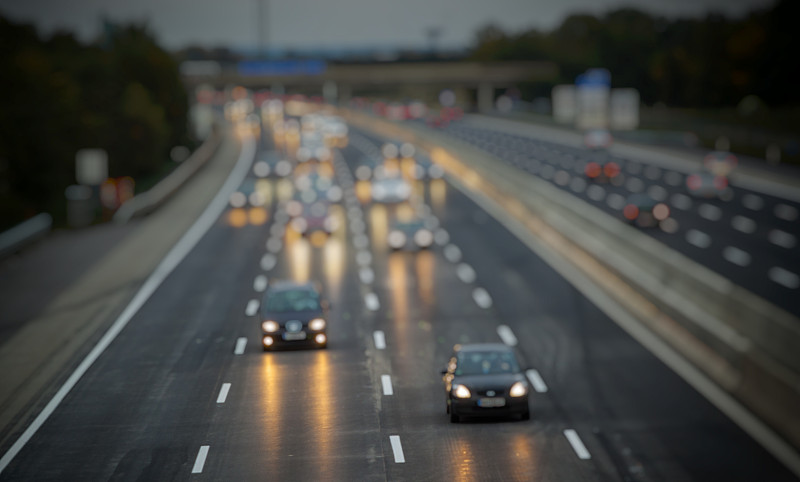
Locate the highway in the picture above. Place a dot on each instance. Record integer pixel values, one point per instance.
(184, 391)
(749, 238)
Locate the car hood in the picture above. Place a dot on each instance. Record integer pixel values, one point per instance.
(304, 316)
(494, 381)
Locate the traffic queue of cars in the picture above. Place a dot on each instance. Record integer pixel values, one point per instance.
(641, 209)
(480, 380)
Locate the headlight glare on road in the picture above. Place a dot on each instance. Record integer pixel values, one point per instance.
(518, 389)
(460, 391)
(270, 326)
(317, 324)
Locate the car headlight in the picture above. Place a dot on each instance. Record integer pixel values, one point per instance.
(317, 324)
(397, 239)
(270, 326)
(518, 389)
(460, 391)
(423, 238)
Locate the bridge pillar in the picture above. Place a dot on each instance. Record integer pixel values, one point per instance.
(485, 97)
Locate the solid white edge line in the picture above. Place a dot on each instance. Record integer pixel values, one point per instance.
(397, 449)
(200, 461)
(241, 343)
(178, 252)
(386, 381)
(380, 340)
(536, 380)
(223, 393)
(507, 335)
(577, 444)
(654, 344)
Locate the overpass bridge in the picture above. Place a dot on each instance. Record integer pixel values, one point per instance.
(339, 82)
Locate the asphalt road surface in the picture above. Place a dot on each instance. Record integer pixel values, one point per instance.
(185, 391)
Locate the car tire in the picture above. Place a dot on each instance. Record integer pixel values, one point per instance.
(526, 415)
(454, 418)
(448, 407)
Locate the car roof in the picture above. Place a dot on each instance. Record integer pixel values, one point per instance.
(287, 285)
(473, 347)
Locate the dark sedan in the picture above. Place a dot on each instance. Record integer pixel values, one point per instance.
(485, 379)
(293, 314)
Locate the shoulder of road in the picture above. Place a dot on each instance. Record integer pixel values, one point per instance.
(99, 271)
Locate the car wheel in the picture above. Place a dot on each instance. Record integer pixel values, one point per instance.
(454, 418)
(448, 407)
(526, 415)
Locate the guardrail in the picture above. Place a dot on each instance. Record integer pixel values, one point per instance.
(148, 201)
(24, 233)
(748, 346)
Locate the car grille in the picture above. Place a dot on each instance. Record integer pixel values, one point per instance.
(294, 326)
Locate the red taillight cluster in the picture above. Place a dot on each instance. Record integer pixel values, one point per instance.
(592, 170)
(631, 212)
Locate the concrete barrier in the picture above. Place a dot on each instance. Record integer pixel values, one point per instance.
(24, 233)
(144, 203)
(742, 342)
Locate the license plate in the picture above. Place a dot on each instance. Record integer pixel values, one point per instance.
(491, 402)
(294, 336)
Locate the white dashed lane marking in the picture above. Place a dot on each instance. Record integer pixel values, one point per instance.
(536, 380)
(743, 224)
(380, 340)
(482, 298)
(785, 212)
(752, 202)
(372, 302)
(784, 277)
(241, 343)
(200, 461)
(252, 307)
(223, 393)
(710, 212)
(782, 238)
(386, 382)
(397, 449)
(452, 253)
(366, 275)
(507, 335)
(577, 444)
(698, 238)
(736, 256)
(681, 201)
(260, 283)
(465, 273)
(268, 261)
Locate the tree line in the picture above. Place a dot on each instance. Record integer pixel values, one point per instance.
(710, 62)
(121, 93)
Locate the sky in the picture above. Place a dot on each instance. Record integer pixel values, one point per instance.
(333, 24)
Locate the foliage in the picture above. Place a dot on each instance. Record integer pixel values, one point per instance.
(122, 93)
(710, 62)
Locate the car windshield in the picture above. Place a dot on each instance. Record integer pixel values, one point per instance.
(292, 300)
(486, 363)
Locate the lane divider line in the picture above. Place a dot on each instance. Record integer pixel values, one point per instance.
(577, 444)
(372, 302)
(268, 261)
(397, 449)
(241, 343)
(178, 252)
(482, 298)
(252, 307)
(200, 461)
(380, 340)
(536, 380)
(223, 393)
(465, 273)
(507, 335)
(386, 381)
(260, 283)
